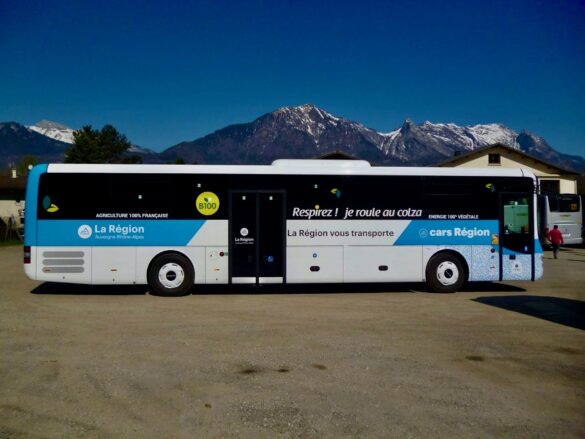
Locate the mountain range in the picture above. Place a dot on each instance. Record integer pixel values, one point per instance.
(17, 141)
(304, 131)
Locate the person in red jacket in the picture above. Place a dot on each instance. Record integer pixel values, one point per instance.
(556, 238)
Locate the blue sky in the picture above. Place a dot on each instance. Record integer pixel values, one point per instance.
(165, 72)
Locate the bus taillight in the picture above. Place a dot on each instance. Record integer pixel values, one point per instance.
(27, 254)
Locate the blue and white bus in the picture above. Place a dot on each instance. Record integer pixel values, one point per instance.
(296, 221)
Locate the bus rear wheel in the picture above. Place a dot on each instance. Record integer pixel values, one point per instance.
(170, 274)
(445, 273)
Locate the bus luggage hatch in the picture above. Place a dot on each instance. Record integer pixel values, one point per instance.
(257, 237)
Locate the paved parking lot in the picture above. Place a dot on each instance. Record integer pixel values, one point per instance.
(496, 360)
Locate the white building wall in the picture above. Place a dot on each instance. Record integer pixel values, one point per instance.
(567, 185)
(10, 208)
(10, 212)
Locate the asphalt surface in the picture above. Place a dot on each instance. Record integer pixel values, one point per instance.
(495, 360)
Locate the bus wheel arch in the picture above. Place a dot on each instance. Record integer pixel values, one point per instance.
(446, 271)
(170, 274)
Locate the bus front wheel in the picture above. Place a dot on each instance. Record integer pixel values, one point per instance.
(171, 274)
(445, 273)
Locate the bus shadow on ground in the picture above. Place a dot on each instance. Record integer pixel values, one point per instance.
(348, 288)
(96, 290)
(56, 288)
(567, 312)
(479, 287)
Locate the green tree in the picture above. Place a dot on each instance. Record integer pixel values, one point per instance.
(98, 146)
(23, 165)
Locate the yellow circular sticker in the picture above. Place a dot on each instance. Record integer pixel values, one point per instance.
(207, 203)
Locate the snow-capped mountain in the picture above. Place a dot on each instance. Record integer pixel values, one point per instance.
(62, 133)
(442, 138)
(17, 141)
(135, 149)
(307, 131)
(53, 130)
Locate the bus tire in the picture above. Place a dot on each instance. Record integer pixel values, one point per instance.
(171, 275)
(445, 273)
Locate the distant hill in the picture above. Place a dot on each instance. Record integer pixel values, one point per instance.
(305, 131)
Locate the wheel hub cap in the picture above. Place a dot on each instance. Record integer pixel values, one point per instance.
(447, 273)
(171, 275)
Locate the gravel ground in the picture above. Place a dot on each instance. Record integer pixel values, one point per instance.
(495, 360)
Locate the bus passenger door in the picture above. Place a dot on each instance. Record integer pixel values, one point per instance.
(516, 237)
(257, 237)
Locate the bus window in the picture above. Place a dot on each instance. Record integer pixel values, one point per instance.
(516, 218)
(568, 203)
(516, 224)
(564, 203)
